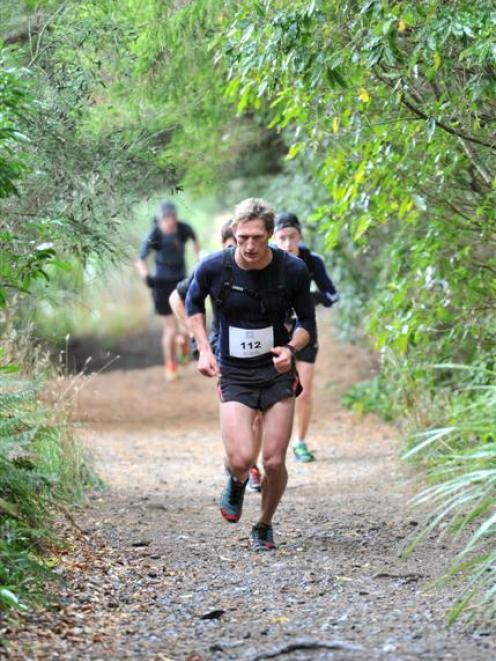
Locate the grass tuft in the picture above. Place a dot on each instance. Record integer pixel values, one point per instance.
(461, 496)
(42, 469)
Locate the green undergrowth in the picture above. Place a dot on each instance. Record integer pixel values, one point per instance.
(369, 396)
(42, 471)
(448, 415)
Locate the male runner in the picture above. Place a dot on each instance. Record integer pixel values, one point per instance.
(177, 302)
(254, 286)
(167, 239)
(288, 237)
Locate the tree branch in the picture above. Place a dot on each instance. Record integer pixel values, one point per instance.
(43, 30)
(420, 113)
(445, 127)
(478, 165)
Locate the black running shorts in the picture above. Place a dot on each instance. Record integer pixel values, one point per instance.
(309, 353)
(258, 388)
(160, 295)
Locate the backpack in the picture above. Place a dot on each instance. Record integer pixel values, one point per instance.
(270, 299)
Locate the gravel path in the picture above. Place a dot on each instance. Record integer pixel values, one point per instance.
(155, 572)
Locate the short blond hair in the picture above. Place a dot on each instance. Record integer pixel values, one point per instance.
(254, 209)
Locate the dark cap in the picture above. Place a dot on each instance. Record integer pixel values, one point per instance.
(286, 219)
(167, 209)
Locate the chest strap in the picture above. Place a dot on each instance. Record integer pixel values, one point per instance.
(228, 281)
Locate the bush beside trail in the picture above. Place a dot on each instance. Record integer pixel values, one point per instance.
(42, 472)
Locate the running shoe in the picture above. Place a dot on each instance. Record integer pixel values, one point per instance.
(262, 537)
(171, 372)
(254, 480)
(302, 453)
(231, 501)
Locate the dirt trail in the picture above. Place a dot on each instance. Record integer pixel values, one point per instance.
(157, 573)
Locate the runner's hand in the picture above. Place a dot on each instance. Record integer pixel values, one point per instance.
(207, 365)
(283, 359)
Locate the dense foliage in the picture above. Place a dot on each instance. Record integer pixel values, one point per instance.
(377, 118)
(56, 184)
(65, 181)
(387, 110)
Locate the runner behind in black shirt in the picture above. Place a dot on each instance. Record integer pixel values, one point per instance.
(254, 286)
(167, 240)
(288, 237)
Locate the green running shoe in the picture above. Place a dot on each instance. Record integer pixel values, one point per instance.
(231, 501)
(262, 537)
(302, 453)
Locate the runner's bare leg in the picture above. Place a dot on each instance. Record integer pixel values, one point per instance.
(304, 401)
(258, 430)
(277, 424)
(169, 338)
(236, 423)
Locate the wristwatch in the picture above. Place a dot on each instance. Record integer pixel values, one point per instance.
(292, 349)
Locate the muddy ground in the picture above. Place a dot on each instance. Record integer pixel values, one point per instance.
(152, 571)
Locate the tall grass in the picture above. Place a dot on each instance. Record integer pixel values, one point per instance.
(454, 407)
(41, 470)
(461, 496)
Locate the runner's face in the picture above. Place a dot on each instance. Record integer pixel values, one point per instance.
(168, 224)
(229, 243)
(288, 239)
(252, 240)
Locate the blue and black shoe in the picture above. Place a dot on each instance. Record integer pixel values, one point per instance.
(231, 501)
(262, 537)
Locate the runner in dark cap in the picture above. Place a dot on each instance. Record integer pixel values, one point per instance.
(288, 235)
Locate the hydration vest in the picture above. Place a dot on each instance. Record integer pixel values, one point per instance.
(272, 299)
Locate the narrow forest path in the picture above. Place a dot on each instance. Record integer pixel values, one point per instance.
(157, 574)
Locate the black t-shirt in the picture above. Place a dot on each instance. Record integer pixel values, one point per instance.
(247, 331)
(170, 264)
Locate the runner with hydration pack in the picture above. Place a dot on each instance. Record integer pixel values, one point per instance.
(167, 239)
(288, 237)
(177, 302)
(254, 287)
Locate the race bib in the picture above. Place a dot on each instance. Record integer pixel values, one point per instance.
(250, 342)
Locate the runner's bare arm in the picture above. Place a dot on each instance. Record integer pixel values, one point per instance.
(283, 357)
(148, 245)
(195, 306)
(207, 364)
(179, 309)
(141, 267)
